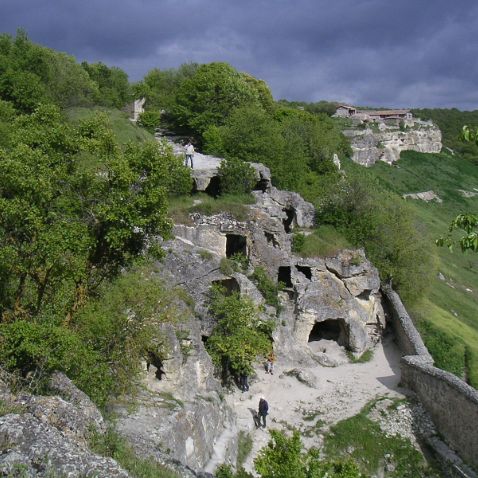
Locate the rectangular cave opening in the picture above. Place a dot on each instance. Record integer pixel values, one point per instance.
(261, 185)
(229, 285)
(306, 270)
(289, 220)
(284, 276)
(235, 244)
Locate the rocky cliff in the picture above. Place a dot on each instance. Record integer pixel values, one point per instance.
(384, 143)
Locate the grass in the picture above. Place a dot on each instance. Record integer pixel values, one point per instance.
(125, 130)
(111, 444)
(182, 206)
(360, 439)
(6, 408)
(365, 357)
(325, 241)
(446, 315)
(170, 402)
(244, 448)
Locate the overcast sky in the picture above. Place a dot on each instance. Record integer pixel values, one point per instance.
(365, 52)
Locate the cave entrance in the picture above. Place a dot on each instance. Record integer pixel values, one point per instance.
(229, 285)
(214, 187)
(261, 185)
(271, 239)
(235, 244)
(155, 364)
(284, 276)
(306, 270)
(330, 329)
(204, 339)
(289, 220)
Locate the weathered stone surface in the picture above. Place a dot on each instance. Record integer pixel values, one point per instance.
(386, 145)
(426, 196)
(43, 451)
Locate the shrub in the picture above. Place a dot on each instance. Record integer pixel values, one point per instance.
(150, 120)
(298, 241)
(236, 177)
(267, 287)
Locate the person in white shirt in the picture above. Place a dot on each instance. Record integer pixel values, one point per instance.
(189, 154)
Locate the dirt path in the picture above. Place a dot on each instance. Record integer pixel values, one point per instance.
(336, 393)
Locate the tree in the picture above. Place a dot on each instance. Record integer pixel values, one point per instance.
(75, 209)
(239, 336)
(236, 177)
(209, 96)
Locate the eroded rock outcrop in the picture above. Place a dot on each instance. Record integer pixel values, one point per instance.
(46, 436)
(370, 146)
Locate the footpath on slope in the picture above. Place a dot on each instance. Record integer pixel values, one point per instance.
(337, 393)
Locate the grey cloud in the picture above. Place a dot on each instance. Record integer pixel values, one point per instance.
(375, 52)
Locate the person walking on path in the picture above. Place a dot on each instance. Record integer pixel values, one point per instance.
(189, 154)
(263, 411)
(243, 382)
(271, 358)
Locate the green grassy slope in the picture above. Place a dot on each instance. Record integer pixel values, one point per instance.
(447, 315)
(124, 129)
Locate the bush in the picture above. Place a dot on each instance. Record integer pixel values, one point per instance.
(38, 349)
(236, 177)
(150, 120)
(267, 287)
(239, 336)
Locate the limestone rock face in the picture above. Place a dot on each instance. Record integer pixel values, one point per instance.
(386, 145)
(179, 413)
(47, 435)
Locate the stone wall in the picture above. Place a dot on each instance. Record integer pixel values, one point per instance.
(451, 402)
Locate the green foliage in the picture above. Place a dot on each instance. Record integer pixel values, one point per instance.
(380, 222)
(284, 457)
(210, 95)
(40, 348)
(239, 336)
(267, 287)
(32, 74)
(361, 439)
(111, 444)
(365, 357)
(236, 177)
(113, 85)
(150, 120)
(468, 223)
(64, 227)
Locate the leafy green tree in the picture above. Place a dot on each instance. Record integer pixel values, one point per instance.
(239, 336)
(467, 224)
(113, 86)
(209, 96)
(65, 227)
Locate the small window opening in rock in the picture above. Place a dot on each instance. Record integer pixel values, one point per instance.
(284, 276)
(204, 339)
(289, 220)
(235, 244)
(229, 285)
(365, 295)
(307, 271)
(271, 239)
(154, 363)
(214, 187)
(330, 329)
(261, 185)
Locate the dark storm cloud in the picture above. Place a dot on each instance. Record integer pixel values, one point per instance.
(374, 52)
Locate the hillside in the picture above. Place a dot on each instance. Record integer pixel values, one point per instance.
(446, 315)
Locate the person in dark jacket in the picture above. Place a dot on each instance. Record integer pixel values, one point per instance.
(263, 411)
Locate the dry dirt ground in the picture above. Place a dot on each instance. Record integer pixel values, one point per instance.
(331, 394)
